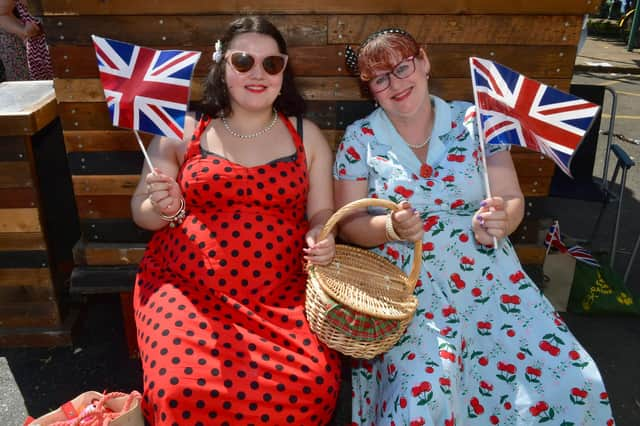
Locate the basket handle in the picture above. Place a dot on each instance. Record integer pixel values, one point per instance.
(349, 208)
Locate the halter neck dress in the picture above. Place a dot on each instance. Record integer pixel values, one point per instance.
(219, 300)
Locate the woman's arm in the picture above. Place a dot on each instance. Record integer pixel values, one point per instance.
(11, 24)
(157, 193)
(365, 230)
(503, 212)
(320, 198)
(360, 227)
(160, 193)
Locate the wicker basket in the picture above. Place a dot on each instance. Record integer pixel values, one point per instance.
(360, 304)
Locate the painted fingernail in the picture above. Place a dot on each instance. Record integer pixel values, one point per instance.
(483, 203)
(481, 220)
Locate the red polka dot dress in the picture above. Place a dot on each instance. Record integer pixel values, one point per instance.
(219, 301)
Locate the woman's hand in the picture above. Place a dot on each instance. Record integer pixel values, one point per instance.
(491, 220)
(407, 223)
(31, 29)
(319, 252)
(163, 192)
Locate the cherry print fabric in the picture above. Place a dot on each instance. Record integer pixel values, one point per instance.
(219, 301)
(485, 346)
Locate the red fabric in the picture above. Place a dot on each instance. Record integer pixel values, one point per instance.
(219, 301)
(69, 410)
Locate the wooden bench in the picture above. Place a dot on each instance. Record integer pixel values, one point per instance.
(538, 39)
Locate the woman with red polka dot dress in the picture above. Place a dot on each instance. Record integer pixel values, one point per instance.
(236, 208)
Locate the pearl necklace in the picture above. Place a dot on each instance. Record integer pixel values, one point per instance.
(423, 144)
(420, 145)
(252, 135)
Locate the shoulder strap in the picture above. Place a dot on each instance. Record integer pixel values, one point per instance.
(194, 144)
(299, 125)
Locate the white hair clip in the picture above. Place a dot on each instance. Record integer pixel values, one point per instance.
(217, 54)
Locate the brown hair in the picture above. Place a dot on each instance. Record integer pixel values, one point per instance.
(383, 51)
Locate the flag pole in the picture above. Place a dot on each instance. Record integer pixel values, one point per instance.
(555, 227)
(481, 135)
(144, 152)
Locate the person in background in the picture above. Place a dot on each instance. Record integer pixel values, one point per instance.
(485, 346)
(23, 42)
(236, 208)
(13, 54)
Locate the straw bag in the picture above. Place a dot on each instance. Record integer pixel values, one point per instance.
(95, 409)
(360, 304)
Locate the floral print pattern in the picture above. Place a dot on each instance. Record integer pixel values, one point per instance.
(485, 346)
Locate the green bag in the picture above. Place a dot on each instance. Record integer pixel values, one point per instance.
(600, 290)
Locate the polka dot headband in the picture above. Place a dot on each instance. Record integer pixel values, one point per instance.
(351, 57)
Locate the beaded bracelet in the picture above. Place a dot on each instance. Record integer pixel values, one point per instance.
(177, 217)
(389, 232)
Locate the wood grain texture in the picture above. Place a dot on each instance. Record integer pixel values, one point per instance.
(447, 60)
(199, 7)
(19, 314)
(106, 162)
(38, 277)
(530, 254)
(535, 186)
(15, 174)
(472, 28)
(103, 206)
(174, 30)
(527, 232)
(105, 184)
(113, 254)
(19, 220)
(529, 163)
(13, 148)
(26, 285)
(103, 140)
(118, 231)
(22, 241)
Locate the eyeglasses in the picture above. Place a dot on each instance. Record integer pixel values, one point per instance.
(403, 70)
(243, 62)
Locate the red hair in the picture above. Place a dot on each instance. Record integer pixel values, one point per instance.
(384, 52)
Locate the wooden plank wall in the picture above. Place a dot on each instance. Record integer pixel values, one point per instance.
(25, 277)
(537, 38)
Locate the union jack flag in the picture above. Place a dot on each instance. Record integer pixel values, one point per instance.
(583, 255)
(553, 238)
(516, 110)
(580, 253)
(145, 89)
